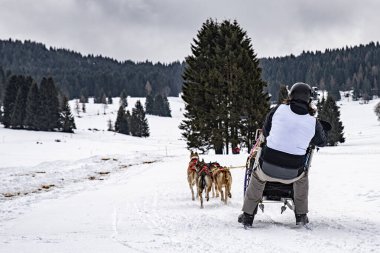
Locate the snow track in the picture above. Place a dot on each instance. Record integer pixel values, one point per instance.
(150, 210)
(147, 207)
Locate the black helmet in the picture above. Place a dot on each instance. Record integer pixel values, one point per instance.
(300, 91)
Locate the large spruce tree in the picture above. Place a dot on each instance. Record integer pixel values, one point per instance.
(329, 111)
(224, 94)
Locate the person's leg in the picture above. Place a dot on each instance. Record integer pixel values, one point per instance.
(253, 194)
(301, 193)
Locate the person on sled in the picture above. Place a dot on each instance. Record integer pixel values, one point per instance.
(289, 129)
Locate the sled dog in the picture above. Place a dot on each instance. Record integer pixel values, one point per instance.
(203, 180)
(191, 171)
(222, 179)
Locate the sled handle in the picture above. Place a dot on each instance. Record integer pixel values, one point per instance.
(259, 131)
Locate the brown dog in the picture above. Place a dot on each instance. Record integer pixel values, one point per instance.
(191, 171)
(214, 166)
(204, 180)
(223, 178)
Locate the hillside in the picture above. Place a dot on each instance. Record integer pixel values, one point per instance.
(90, 75)
(144, 204)
(354, 67)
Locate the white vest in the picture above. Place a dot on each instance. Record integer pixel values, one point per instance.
(290, 132)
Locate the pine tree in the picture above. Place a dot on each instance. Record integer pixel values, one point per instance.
(166, 107)
(161, 106)
(139, 124)
(10, 99)
(149, 104)
(122, 123)
(49, 105)
(124, 126)
(66, 119)
(32, 108)
(223, 90)
(128, 118)
(329, 111)
(282, 94)
(119, 118)
(18, 115)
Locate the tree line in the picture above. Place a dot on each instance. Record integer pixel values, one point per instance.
(27, 105)
(90, 75)
(356, 68)
(76, 75)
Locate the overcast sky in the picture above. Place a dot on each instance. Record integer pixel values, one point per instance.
(162, 30)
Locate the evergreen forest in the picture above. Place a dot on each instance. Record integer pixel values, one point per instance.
(76, 75)
(30, 106)
(356, 68)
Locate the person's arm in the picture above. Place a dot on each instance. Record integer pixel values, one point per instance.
(268, 121)
(320, 137)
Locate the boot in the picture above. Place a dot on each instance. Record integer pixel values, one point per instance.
(301, 219)
(246, 219)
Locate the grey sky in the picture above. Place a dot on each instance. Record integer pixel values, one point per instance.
(162, 30)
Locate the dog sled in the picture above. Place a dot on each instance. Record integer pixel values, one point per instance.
(274, 192)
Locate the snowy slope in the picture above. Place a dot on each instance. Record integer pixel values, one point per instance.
(144, 204)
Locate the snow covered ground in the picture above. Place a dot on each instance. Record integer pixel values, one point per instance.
(97, 191)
